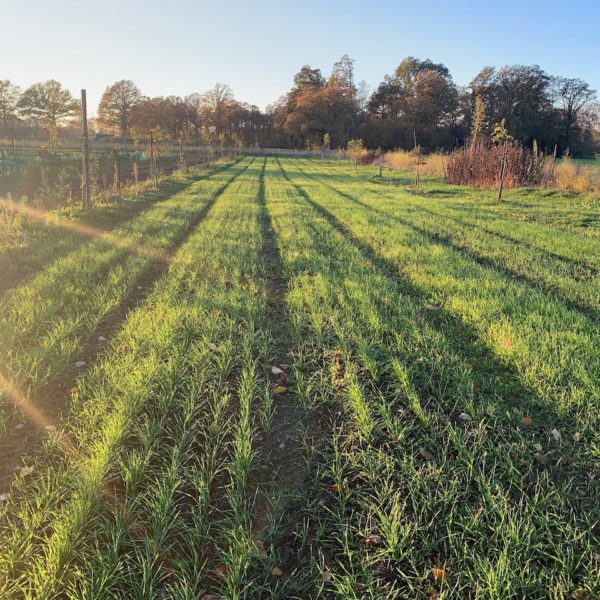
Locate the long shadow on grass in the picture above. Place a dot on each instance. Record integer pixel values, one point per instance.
(494, 376)
(585, 309)
(491, 378)
(54, 396)
(105, 218)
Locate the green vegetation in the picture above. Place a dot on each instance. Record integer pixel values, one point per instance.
(331, 384)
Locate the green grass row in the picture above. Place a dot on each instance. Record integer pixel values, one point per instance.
(145, 491)
(45, 321)
(406, 497)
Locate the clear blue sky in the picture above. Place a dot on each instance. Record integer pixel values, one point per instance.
(184, 46)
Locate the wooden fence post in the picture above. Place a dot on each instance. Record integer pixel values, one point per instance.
(85, 175)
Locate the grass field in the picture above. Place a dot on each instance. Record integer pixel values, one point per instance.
(281, 378)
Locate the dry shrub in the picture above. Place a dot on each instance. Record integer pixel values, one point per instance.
(479, 164)
(403, 160)
(570, 176)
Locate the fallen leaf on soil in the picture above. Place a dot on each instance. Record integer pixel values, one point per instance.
(576, 437)
(581, 493)
(555, 433)
(372, 540)
(537, 447)
(19, 425)
(526, 421)
(464, 417)
(259, 438)
(326, 576)
(80, 363)
(280, 389)
(276, 571)
(579, 594)
(101, 339)
(50, 428)
(222, 570)
(3, 497)
(276, 371)
(282, 446)
(26, 471)
(439, 574)
(334, 488)
(259, 545)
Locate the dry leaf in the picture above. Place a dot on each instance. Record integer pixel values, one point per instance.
(101, 339)
(80, 363)
(50, 428)
(526, 421)
(439, 574)
(576, 437)
(326, 576)
(537, 447)
(372, 540)
(26, 471)
(555, 433)
(19, 425)
(259, 545)
(464, 417)
(282, 446)
(222, 570)
(276, 571)
(579, 594)
(3, 497)
(276, 371)
(334, 488)
(280, 389)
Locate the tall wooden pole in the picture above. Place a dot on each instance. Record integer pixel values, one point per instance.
(152, 159)
(12, 140)
(117, 171)
(85, 177)
(502, 171)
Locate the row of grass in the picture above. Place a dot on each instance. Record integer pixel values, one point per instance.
(577, 283)
(145, 492)
(407, 496)
(28, 245)
(46, 320)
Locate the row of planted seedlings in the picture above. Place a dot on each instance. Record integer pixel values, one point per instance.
(558, 210)
(38, 237)
(577, 283)
(47, 321)
(522, 221)
(533, 331)
(144, 492)
(438, 472)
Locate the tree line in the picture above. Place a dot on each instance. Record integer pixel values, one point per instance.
(418, 101)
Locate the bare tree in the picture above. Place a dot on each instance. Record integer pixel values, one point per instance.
(572, 95)
(116, 105)
(9, 98)
(48, 104)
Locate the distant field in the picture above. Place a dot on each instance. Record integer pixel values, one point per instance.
(281, 378)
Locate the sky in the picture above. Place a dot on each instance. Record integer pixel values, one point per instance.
(184, 46)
